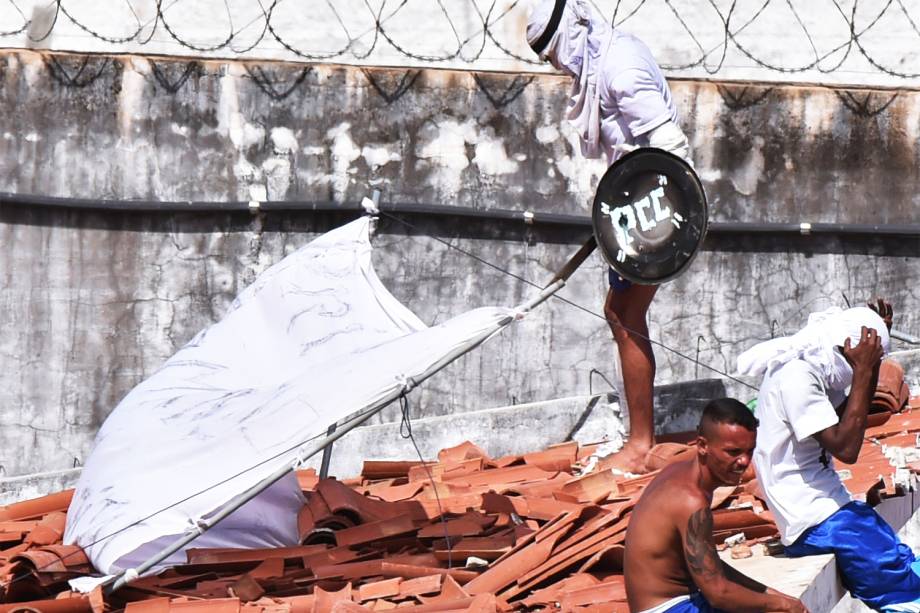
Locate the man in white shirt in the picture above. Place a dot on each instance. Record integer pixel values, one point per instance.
(619, 101)
(806, 421)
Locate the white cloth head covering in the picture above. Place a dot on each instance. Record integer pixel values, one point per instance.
(577, 48)
(817, 344)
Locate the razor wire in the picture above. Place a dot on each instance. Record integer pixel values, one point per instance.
(821, 38)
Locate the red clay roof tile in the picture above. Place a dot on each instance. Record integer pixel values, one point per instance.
(246, 589)
(386, 535)
(555, 458)
(428, 584)
(387, 469)
(591, 488)
(379, 589)
(346, 606)
(464, 451)
(467, 525)
(395, 493)
(503, 573)
(57, 605)
(37, 507)
(612, 590)
(370, 532)
(324, 600)
(151, 605)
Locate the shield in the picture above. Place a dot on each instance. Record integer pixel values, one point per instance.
(649, 216)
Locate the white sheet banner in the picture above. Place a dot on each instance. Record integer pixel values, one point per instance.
(315, 338)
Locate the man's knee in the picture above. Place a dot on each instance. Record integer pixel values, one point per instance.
(615, 319)
(622, 318)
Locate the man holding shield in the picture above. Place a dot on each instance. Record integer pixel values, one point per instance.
(619, 101)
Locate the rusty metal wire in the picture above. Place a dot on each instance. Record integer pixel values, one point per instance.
(464, 29)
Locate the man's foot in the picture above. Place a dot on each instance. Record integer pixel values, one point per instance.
(629, 459)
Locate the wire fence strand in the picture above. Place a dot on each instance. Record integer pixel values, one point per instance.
(822, 39)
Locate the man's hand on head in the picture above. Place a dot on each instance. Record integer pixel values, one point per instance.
(867, 355)
(884, 310)
(844, 439)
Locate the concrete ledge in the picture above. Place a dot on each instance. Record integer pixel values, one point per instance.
(520, 428)
(499, 431)
(25, 487)
(910, 361)
(814, 579)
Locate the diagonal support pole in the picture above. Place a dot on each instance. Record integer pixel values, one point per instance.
(308, 450)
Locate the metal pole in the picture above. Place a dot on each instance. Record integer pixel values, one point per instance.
(334, 433)
(232, 505)
(575, 261)
(203, 525)
(543, 296)
(327, 455)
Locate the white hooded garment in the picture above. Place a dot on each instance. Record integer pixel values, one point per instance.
(619, 97)
(805, 380)
(817, 344)
(314, 339)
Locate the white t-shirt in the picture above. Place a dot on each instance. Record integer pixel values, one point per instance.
(794, 403)
(634, 95)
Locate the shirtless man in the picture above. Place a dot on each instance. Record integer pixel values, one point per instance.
(671, 562)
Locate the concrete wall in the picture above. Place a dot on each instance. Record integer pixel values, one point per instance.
(94, 301)
(135, 128)
(517, 429)
(823, 41)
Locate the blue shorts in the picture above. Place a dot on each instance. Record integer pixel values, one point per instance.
(696, 604)
(617, 283)
(874, 564)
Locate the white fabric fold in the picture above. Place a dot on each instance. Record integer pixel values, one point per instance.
(670, 137)
(577, 48)
(314, 339)
(85, 585)
(817, 343)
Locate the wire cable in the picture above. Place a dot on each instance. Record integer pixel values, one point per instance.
(405, 431)
(715, 37)
(569, 302)
(406, 424)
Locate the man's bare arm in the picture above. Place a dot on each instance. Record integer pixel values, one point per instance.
(844, 439)
(736, 576)
(708, 573)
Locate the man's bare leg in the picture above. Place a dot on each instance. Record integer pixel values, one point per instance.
(626, 313)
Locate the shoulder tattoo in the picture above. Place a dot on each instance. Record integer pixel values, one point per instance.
(699, 548)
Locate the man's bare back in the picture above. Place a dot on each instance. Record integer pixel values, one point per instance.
(670, 551)
(655, 546)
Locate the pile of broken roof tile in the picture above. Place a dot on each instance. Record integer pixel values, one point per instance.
(465, 533)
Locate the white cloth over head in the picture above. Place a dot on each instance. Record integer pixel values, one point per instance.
(618, 94)
(805, 380)
(577, 49)
(314, 339)
(817, 344)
